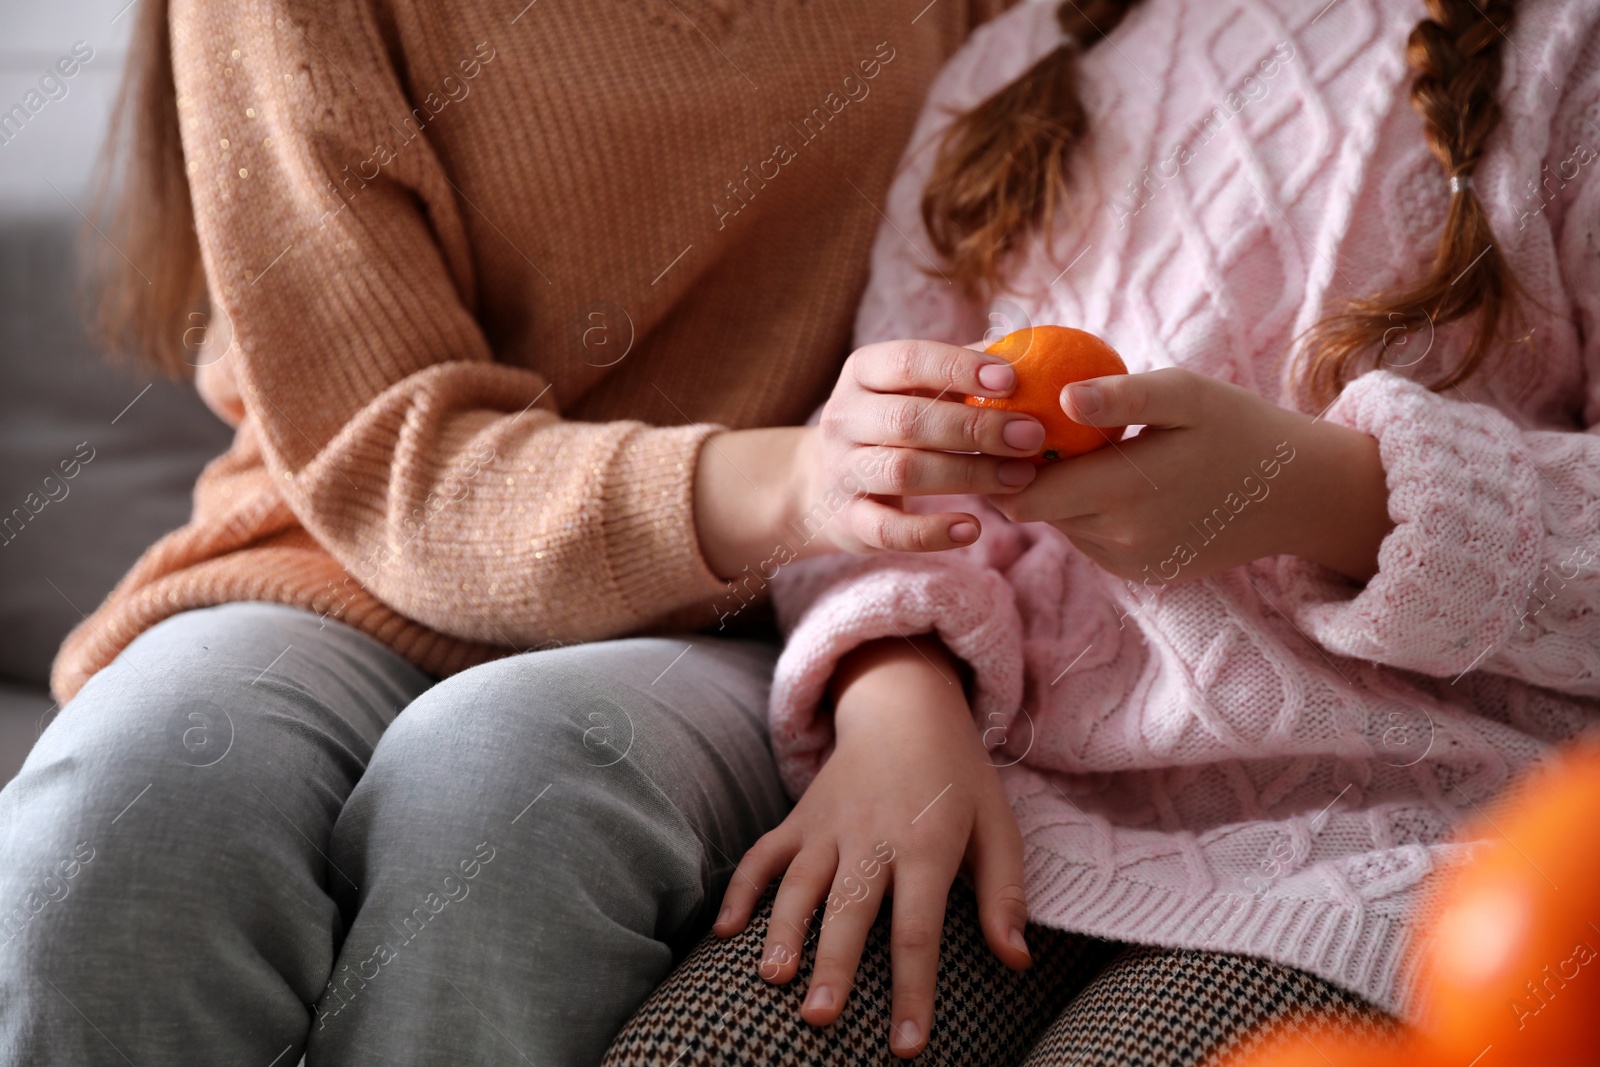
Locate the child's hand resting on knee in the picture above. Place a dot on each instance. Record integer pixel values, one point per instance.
(906, 799)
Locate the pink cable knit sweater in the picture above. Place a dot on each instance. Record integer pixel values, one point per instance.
(1269, 760)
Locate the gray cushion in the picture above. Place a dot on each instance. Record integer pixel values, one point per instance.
(24, 711)
(59, 403)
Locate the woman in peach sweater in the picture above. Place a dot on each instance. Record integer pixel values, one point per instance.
(516, 309)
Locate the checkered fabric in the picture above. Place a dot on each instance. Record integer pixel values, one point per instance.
(1154, 1007)
(1084, 1003)
(715, 1009)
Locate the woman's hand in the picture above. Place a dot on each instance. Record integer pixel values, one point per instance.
(1217, 477)
(907, 797)
(896, 426)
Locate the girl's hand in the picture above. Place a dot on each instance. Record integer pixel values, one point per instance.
(906, 799)
(1217, 477)
(896, 426)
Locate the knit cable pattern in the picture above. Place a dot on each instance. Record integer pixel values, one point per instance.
(1272, 759)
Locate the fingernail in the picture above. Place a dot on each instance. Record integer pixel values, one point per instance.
(772, 964)
(1024, 434)
(1018, 942)
(723, 916)
(1015, 472)
(997, 377)
(820, 998)
(963, 532)
(909, 1034)
(1085, 398)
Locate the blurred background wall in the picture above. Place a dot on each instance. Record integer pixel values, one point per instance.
(57, 145)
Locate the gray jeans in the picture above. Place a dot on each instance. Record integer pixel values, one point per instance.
(258, 835)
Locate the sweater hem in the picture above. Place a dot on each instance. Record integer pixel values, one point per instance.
(1349, 946)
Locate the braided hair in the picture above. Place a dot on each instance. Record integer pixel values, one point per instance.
(1456, 55)
(1001, 168)
(1000, 174)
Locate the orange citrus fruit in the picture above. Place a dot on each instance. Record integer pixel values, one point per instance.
(1309, 1042)
(1510, 964)
(1513, 964)
(1047, 359)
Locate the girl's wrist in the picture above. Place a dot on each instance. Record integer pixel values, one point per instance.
(1347, 516)
(916, 675)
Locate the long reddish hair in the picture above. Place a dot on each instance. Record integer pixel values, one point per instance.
(148, 287)
(1001, 168)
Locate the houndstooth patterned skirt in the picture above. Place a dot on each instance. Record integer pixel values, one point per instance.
(1083, 1003)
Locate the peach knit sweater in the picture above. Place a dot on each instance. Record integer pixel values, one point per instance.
(485, 277)
(1269, 760)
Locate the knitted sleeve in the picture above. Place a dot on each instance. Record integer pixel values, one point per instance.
(445, 482)
(829, 605)
(1494, 561)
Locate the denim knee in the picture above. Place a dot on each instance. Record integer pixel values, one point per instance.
(181, 782)
(550, 749)
(497, 735)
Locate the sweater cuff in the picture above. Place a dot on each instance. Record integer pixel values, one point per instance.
(1454, 572)
(854, 600)
(650, 539)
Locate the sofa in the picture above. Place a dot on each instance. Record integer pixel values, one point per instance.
(96, 463)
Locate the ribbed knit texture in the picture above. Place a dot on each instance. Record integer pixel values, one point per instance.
(487, 275)
(1271, 759)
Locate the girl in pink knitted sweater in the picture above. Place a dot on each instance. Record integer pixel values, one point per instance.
(1229, 685)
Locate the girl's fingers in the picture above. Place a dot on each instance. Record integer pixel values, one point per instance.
(1098, 483)
(946, 424)
(765, 860)
(997, 878)
(916, 924)
(906, 366)
(917, 472)
(846, 920)
(1165, 398)
(883, 527)
(789, 928)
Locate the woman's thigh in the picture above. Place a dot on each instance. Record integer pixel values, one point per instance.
(535, 841)
(1155, 1007)
(162, 870)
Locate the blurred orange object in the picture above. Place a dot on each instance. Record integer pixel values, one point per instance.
(1047, 359)
(1510, 970)
(1510, 965)
(1323, 1044)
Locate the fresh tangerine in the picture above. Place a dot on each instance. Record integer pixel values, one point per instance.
(1514, 957)
(1324, 1042)
(1510, 964)
(1047, 359)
